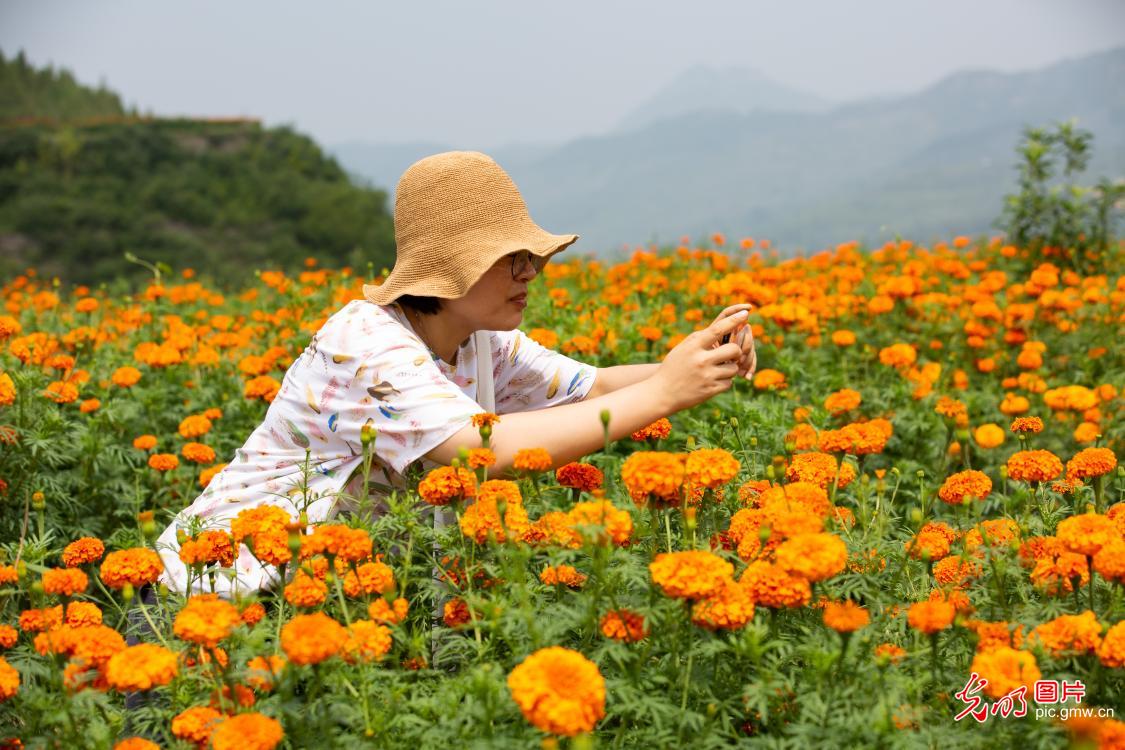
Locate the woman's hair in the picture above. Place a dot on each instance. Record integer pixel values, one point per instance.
(424, 305)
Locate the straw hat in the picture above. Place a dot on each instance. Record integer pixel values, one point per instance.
(456, 214)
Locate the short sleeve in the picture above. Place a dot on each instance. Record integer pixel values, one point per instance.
(531, 377)
(393, 384)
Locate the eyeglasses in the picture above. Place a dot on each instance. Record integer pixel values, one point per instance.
(522, 259)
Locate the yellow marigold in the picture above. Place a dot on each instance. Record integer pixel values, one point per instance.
(843, 400)
(532, 459)
(730, 608)
(64, 581)
(310, 639)
(654, 476)
(249, 731)
(771, 380)
(1034, 466)
(1068, 635)
(367, 641)
(845, 616)
(930, 616)
(141, 667)
(198, 453)
(559, 691)
(196, 724)
(83, 551)
(125, 377)
(623, 625)
(1087, 533)
(562, 575)
(1091, 462)
(1109, 562)
(689, 575)
(965, 484)
(206, 619)
(773, 587)
(989, 435)
(1027, 425)
(820, 469)
(136, 566)
(591, 518)
(814, 557)
(163, 461)
(1111, 652)
(1006, 669)
(9, 680)
(658, 430)
(898, 355)
(145, 442)
(710, 467)
(446, 484)
(481, 520)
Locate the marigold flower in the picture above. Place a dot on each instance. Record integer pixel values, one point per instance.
(9, 680)
(211, 546)
(821, 469)
(196, 724)
(485, 418)
(89, 405)
(730, 608)
(930, 616)
(690, 575)
(306, 591)
(456, 613)
(797, 496)
(532, 459)
(263, 671)
(249, 731)
(64, 581)
(61, 392)
(310, 639)
(658, 430)
(580, 476)
(710, 467)
(994, 635)
(845, 616)
(145, 442)
(388, 614)
(141, 667)
(1091, 462)
(1034, 466)
(1027, 425)
(889, 653)
(1111, 652)
(843, 338)
(771, 380)
(83, 551)
(163, 461)
(965, 484)
(559, 691)
(623, 625)
(136, 566)
(814, 557)
(1086, 534)
(843, 400)
(263, 387)
(337, 540)
(1056, 573)
(1109, 562)
(1006, 669)
(653, 476)
(773, 587)
(600, 518)
(198, 453)
(205, 620)
(989, 435)
(898, 355)
(956, 571)
(565, 575)
(1067, 635)
(481, 519)
(446, 484)
(252, 614)
(125, 377)
(995, 532)
(367, 641)
(371, 577)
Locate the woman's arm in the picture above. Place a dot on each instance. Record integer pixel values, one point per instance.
(610, 379)
(567, 432)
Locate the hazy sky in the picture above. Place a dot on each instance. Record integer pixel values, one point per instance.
(486, 73)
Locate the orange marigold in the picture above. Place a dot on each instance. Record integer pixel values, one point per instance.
(141, 667)
(814, 557)
(198, 453)
(889, 653)
(821, 469)
(310, 639)
(1091, 462)
(559, 691)
(1034, 466)
(163, 461)
(767, 379)
(249, 731)
(710, 467)
(337, 540)
(598, 519)
(125, 377)
(9, 680)
(579, 476)
(196, 724)
(989, 435)
(1027, 425)
(730, 608)
(562, 575)
(145, 442)
(930, 616)
(771, 586)
(64, 581)
(845, 616)
(83, 551)
(532, 459)
(481, 520)
(367, 641)
(206, 619)
(843, 400)
(1068, 635)
(446, 484)
(965, 484)
(136, 566)
(263, 672)
(1111, 652)
(693, 574)
(1109, 562)
(623, 625)
(1087, 534)
(1005, 669)
(653, 476)
(658, 430)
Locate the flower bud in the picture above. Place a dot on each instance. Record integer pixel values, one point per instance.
(181, 537)
(764, 533)
(486, 431)
(294, 543)
(1003, 471)
(754, 441)
(689, 517)
(690, 442)
(770, 472)
(367, 434)
(127, 592)
(604, 416)
(920, 473)
(734, 422)
(916, 515)
(36, 587)
(38, 501)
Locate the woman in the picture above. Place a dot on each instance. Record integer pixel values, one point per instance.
(409, 363)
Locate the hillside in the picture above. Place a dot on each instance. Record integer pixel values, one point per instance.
(222, 196)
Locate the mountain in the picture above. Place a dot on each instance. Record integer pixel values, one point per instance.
(933, 163)
(733, 89)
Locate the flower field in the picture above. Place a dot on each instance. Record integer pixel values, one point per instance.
(908, 530)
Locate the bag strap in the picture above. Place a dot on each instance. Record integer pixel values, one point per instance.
(486, 389)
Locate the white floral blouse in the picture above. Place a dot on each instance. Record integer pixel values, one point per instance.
(366, 365)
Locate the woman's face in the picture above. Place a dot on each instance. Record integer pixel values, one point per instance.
(492, 303)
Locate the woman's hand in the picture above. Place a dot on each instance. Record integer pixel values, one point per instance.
(744, 337)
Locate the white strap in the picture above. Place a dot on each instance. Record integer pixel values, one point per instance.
(486, 390)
